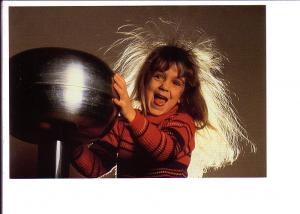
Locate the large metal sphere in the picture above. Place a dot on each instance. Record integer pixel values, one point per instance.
(61, 87)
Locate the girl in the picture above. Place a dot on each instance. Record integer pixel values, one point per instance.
(176, 98)
(158, 140)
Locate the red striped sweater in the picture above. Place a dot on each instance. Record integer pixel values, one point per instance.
(149, 146)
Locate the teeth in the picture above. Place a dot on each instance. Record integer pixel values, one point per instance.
(161, 97)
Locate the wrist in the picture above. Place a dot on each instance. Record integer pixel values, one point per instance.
(130, 117)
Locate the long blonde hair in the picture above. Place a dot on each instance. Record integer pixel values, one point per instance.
(220, 143)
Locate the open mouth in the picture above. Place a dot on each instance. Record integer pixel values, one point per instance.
(160, 100)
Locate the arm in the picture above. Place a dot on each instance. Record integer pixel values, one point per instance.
(170, 141)
(98, 157)
(174, 139)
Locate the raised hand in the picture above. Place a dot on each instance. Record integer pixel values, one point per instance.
(124, 101)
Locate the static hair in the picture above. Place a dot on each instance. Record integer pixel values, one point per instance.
(217, 144)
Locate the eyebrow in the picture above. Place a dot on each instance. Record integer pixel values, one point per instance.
(182, 78)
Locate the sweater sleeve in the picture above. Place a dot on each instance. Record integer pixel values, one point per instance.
(98, 157)
(169, 141)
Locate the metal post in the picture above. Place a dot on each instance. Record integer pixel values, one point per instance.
(53, 159)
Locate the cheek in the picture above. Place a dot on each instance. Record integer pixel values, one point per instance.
(152, 86)
(178, 93)
(149, 91)
(147, 94)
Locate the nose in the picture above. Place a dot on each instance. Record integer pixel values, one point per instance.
(165, 86)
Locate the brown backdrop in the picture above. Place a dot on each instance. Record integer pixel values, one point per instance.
(238, 30)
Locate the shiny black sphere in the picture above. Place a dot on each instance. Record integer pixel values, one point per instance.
(61, 87)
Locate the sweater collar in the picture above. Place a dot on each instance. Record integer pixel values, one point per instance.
(158, 119)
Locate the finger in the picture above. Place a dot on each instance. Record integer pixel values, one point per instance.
(119, 90)
(122, 91)
(119, 79)
(116, 101)
(119, 84)
(118, 76)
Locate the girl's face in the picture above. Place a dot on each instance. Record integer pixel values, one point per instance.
(164, 91)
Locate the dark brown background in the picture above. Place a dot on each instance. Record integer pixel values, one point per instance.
(239, 32)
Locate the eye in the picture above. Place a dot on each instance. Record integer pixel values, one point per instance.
(178, 82)
(158, 76)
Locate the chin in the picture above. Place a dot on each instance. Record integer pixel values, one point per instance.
(155, 112)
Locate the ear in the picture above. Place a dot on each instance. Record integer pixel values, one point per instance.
(178, 101)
